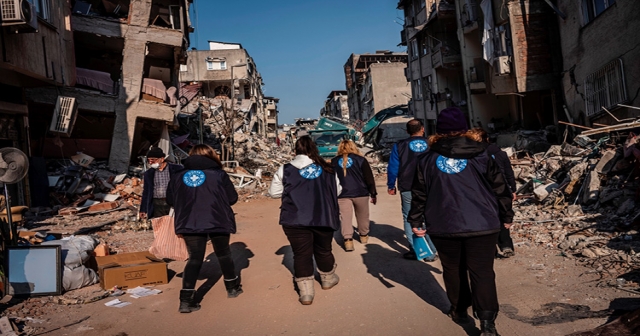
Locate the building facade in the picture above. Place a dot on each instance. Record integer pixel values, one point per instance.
(37, 51)
(600, 57)
(385, 86)
(225, 66)
(271, 108)
(355, 71)
(497, 61)
(125, 78)
(336, 105)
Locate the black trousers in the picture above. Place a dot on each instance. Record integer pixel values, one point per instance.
(196, 245)
(309, 242)
(504, 238)
(469, 258)
(160, 207)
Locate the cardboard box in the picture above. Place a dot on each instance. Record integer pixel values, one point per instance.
(129, 270)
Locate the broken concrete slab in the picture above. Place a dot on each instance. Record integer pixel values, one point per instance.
(544, 190)
(606, 158)
(592, 188)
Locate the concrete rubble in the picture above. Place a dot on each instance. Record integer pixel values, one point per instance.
(581, 199)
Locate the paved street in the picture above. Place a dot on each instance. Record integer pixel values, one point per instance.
(379, 293)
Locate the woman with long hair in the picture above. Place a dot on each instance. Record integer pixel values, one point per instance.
(462, 198)
(202, 195)
(309, 189)
(358, 186)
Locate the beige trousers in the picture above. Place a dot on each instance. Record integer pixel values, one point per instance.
(361, 206)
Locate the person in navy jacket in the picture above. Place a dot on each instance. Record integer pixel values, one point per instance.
(462, 197)
(202, 195)
(309, 215)
(155, 181)
(402, 166)
(505, 243)
(358, 184)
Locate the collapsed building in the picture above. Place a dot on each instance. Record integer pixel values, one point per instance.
(336, 105)
(375, 82)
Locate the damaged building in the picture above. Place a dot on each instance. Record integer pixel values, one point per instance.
(495, 60)
(271, 106)
(599, 40)
(336, 105)
(229, 77)
(375, 82)
(122, 79)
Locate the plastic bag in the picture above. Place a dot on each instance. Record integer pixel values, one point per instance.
(166, 244)
(78, 277)
(76, 250)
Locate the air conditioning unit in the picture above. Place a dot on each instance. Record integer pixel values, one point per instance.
(64, 116)
(19, 16)
(503, 65)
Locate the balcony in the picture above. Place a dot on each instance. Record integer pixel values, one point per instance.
(469, 16)
(476, 77)
(445, 57)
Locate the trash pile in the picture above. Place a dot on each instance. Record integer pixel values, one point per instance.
(82, 186)
(581, 198)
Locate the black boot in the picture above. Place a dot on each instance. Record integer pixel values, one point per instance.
(411, 255)
(234, 288)
(488, 323)
(188, 302)
(458, 316)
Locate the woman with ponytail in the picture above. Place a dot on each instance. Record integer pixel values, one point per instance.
(309, 216)
(358, 185)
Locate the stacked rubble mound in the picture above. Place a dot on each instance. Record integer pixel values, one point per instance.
(581, 199)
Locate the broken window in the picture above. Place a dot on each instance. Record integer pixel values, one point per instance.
(118, 9)
(605, 88)
(592, 8)
(167, 14)
(417, 89)
(414, 49)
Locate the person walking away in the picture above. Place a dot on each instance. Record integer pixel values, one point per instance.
(505, 243)
(461, 196)
(358, 189)
(202, 195)
(402, 166)
(309, 215)
(155, 181)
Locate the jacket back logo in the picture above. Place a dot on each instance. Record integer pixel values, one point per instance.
(349, 162)
(451, 166)
(311, 171)
(418, 145)
(194, 178)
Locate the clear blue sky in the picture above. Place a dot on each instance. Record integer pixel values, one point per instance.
(300, 47)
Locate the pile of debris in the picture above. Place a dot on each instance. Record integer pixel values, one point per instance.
(581, 198)
(80, 185)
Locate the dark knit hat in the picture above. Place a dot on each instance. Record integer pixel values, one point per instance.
(155, 152)
(451, 120)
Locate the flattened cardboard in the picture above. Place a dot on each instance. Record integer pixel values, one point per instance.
(129, 270)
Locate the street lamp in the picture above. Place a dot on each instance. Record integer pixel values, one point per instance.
(233, 104)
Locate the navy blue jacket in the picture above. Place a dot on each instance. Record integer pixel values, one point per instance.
(146, 204)
(504, 164)
(403, 162)
(309, 198)
(459, 190)
(202, 195)
(359, 181)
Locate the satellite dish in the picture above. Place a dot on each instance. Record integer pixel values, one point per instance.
(14, 165)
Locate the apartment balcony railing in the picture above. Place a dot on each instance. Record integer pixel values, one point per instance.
(445, 57)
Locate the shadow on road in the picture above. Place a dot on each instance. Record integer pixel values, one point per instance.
(389, 267)
(210, 270)
(287, 257)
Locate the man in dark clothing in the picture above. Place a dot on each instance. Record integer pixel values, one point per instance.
(402, 166)
(461, 196)
(505, 243)
(155, 181)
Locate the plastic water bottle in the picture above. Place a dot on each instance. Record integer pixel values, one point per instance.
(422, 248)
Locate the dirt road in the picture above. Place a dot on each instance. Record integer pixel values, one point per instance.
(379, 292)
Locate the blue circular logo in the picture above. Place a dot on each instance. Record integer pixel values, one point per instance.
(451, 166)
(418, 145)
(311, 171)
(194, 178)
(341, 162)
